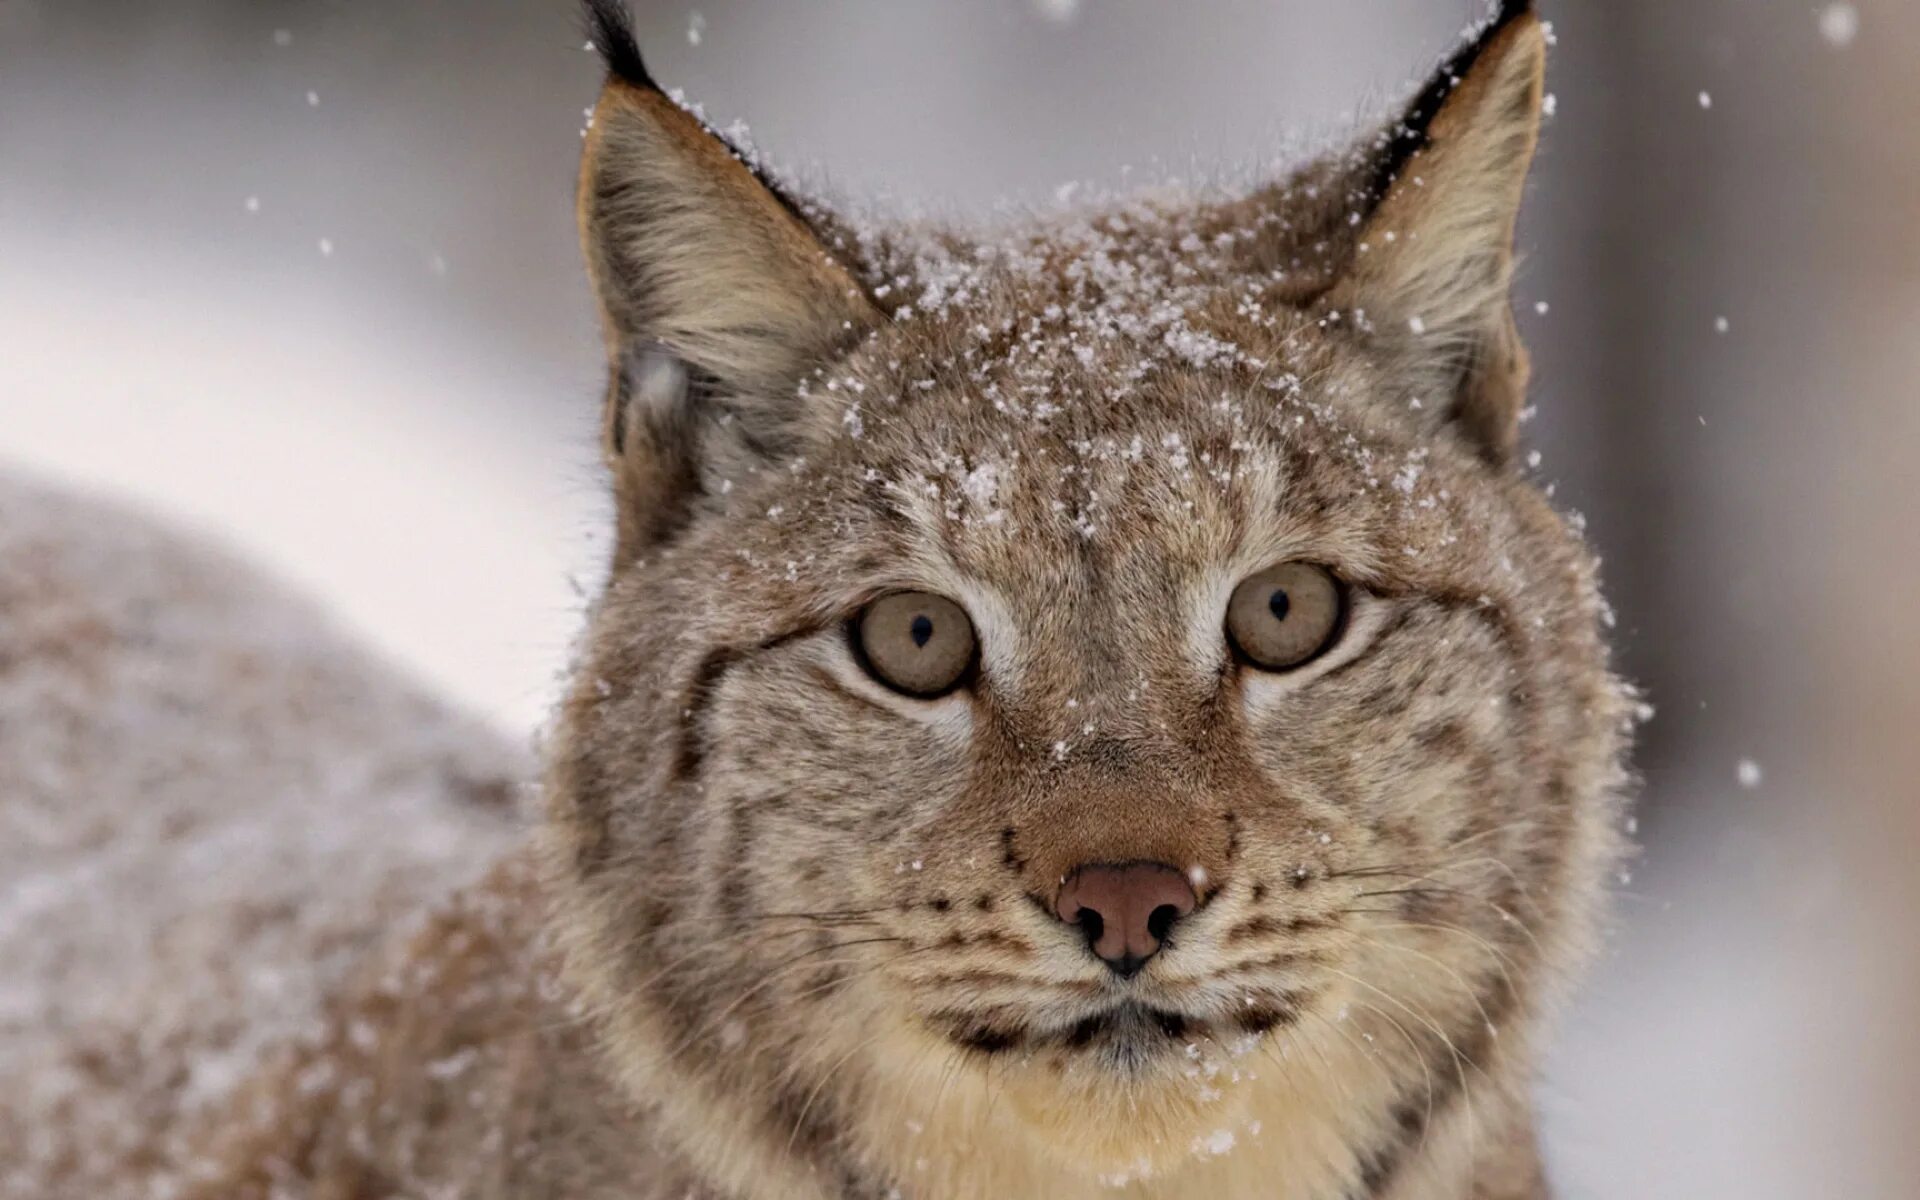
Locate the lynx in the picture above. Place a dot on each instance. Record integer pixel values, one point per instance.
(1088, 708)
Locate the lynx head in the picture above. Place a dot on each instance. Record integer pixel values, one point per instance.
(1099, 682)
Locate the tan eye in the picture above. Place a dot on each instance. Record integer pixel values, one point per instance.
(1286, 616)
(916, 643)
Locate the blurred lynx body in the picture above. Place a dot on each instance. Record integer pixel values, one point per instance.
(213, 807)
(1121, 907)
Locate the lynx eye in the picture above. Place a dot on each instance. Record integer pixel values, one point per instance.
(916, 643)
(1286, 616)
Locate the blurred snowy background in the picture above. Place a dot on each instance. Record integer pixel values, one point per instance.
(302, 273)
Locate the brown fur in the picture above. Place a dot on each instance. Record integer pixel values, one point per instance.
(801, 939)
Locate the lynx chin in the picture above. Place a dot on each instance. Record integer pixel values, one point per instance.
(1089, 708)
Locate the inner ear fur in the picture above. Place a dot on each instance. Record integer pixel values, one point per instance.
(689, 250)
(1433, 263)
(699, 262)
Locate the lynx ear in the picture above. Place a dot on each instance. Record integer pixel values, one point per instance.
(716, 296)
(1433, 263)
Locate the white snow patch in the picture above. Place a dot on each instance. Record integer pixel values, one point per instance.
(982, 485)
(453, 1065)
(1215, 1144)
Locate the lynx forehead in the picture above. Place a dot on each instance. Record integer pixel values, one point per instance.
(1087, 706)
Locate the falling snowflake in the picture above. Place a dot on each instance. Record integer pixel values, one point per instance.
(1060, 12)
(1749, 774)
(1840, 24)
(696, 28)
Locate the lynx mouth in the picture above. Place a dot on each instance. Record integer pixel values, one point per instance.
(1128, 1035)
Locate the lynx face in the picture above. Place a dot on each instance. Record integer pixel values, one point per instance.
(1106, 681)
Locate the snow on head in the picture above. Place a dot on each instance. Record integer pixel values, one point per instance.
(982, 485)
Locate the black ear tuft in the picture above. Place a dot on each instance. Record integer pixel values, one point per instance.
(610, 27)
(1409, 136)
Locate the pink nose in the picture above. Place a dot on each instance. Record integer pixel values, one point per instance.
(1125, 911)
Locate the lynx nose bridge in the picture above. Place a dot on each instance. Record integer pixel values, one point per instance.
(1136, 839)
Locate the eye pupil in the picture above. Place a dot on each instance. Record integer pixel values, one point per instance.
(1280, 604)
(922, 630)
